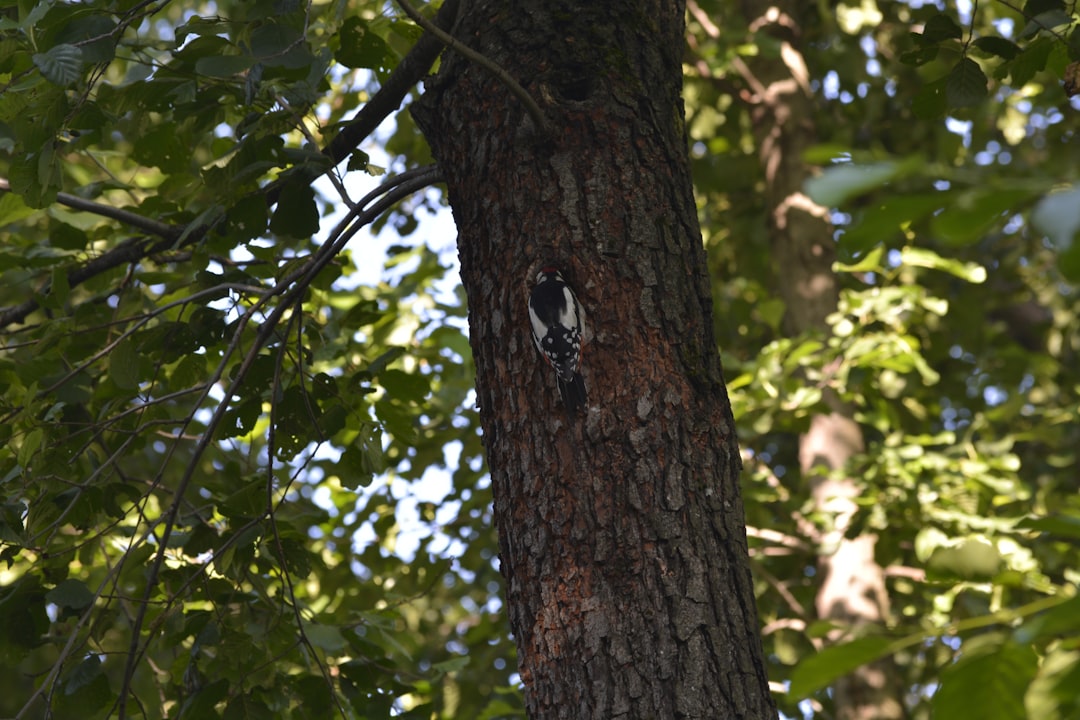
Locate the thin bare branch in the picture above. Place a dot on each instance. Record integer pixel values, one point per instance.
(504, 77)
(139, 222)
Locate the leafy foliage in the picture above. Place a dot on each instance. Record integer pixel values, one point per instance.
(211, 433)
(949, 167)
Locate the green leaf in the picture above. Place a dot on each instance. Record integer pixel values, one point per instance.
(84, 673)
(1029, 62)
(379, 364)
(882, 218)
(223, 66)
(870, 263)
(941, 27)
(998, 46)
(1052, 694)
(71, 594)
(1066, 526)
(921, 257)
(1053, 20)
(30, 445)
(361, 48)
(296, 214)
(124, 365)
(405, 387)
(820, 670)
(201, 704)
(1058, 216)
(840, 183)
(990, 685)
(61, 65)
(247, 218)
(13, 209)
(930, 102)
(971, 557)
(972, 215)
(1062, 620)
(162, 147)
(966, 84)
(452, 665)
(325, 637)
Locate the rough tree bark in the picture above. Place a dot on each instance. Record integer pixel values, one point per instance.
(852, 590)
(622, 533)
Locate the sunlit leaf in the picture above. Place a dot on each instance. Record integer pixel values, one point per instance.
(821, 669)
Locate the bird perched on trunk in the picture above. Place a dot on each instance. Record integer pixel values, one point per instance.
(558, 324)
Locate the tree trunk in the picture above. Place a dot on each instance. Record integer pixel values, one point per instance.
(621, 531)
(852, 591)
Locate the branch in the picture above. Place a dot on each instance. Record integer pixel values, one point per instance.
(504, 77)
(387, 99)
(152, 227)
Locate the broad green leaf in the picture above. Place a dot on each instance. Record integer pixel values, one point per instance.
(202, 702)
(1067, 526)
(931, 101)
(999, 46)
(883, 218)
(989, 685)
(13, 209)
(31, 443)
(966, 85)
(972, 557)
(84, 673)
(940, 27)
(971, 216)
(1052, 694)
(1051, 20)
(1058, 215)
(124, 364)
(223, 66)
(162, 147)
(820, 670)
(405, 387)
(1031, 60)
(325, 637)
(296, 214)
(61, 65)
(71, 594)
(840, 183)
(360, 47)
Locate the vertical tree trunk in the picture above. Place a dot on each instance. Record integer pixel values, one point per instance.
(621, 532)
(852, 591)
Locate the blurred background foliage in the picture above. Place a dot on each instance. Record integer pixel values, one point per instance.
(256, 465)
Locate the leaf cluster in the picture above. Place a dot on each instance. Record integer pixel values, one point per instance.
(947, 167)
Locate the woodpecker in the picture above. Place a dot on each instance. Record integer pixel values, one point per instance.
(558, 323)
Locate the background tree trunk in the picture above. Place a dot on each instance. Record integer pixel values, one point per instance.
(622, 533)
(852, 590)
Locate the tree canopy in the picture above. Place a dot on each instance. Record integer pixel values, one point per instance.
(214, 435)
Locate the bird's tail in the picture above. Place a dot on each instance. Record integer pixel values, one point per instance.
(574, 395)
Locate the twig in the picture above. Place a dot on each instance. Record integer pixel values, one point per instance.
(504, 77)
